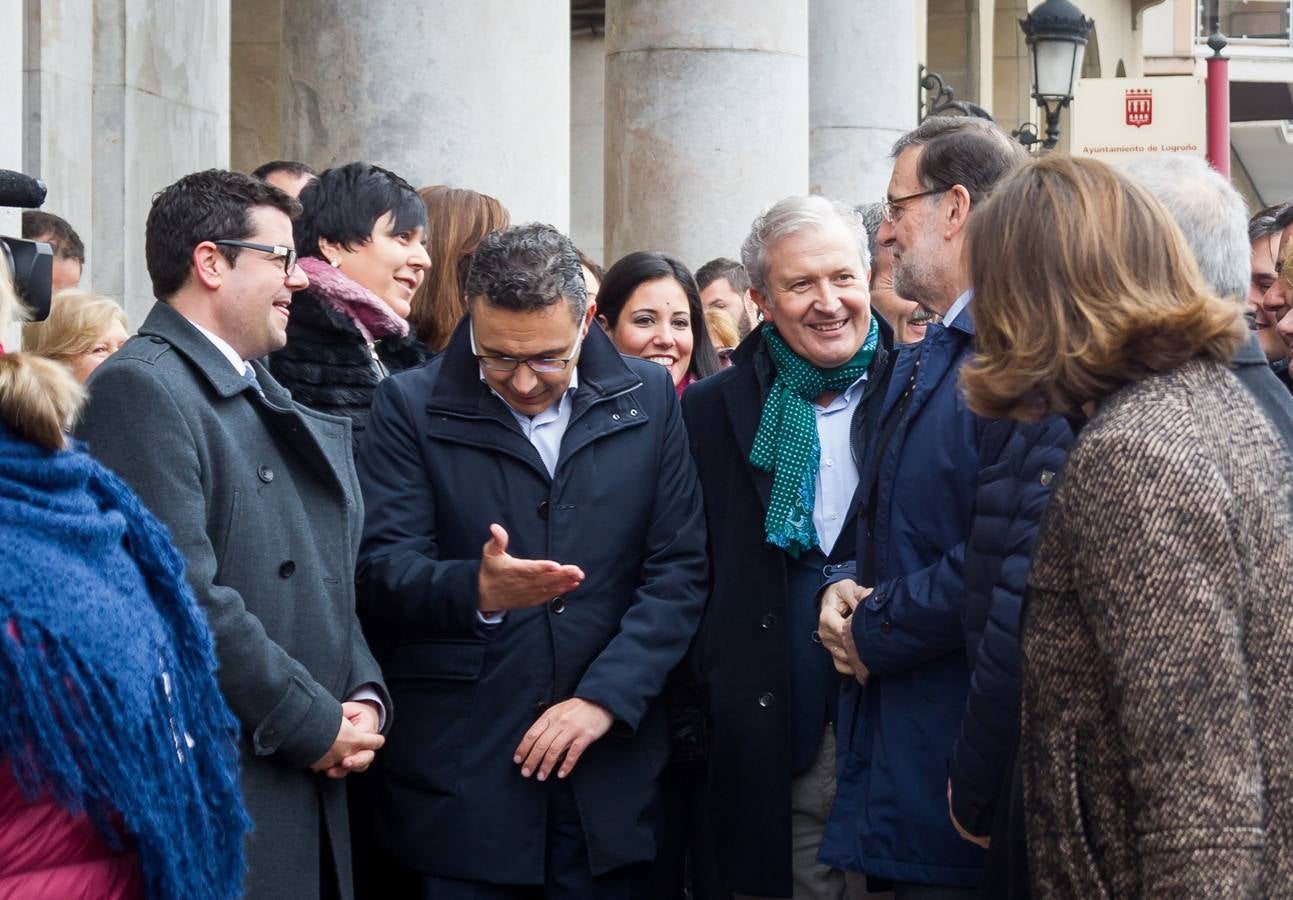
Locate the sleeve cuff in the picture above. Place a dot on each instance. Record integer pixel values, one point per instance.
(368, 692)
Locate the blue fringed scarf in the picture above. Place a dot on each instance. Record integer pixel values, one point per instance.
(107, 673)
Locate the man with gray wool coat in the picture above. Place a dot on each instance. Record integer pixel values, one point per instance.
(260, 495)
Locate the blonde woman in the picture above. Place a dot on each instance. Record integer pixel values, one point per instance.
(81, 332)
(1157, 635)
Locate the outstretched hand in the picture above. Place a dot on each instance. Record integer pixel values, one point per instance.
(506, 582)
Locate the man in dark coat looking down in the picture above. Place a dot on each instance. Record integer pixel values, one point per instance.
(532, 740)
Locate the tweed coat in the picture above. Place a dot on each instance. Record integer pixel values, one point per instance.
(260, 495)
(1157, 650)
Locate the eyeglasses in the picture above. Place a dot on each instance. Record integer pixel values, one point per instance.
(288, 253)
(539, 365)
(892, 211)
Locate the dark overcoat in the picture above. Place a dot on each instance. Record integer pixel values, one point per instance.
(260, 495)
(443, 459)
(742, 652)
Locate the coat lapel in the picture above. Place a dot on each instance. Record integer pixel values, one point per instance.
(743, 398)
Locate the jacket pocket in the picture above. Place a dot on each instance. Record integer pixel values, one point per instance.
(433, 684)
(1086, 873)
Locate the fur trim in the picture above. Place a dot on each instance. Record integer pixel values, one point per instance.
(373, 315)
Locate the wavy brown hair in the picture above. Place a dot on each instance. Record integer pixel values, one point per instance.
(1082, 283)
(457, 221)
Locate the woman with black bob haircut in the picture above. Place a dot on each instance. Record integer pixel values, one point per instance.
(361, 238)
(650, 306)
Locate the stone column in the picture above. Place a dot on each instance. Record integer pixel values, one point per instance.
(160, 110)
(473, 95)
(706, 121)
(587, 104)
(11, 89)
(862, 93)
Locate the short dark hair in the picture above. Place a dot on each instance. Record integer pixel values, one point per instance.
(57, 231)
(972, 152)
(631, 272)
(588, 263)
(1284, 218)
(525, 268)
(1262, 224)
(343, 204)
(290, 166)
(722, 267)
(204, 206)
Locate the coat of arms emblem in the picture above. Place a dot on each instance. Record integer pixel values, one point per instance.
(1140, 106)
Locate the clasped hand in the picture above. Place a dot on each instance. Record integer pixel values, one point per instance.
(356, 744)
(507, 582)
(835, 626)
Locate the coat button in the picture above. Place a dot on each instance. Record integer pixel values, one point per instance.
(287, 569)
(615, 416)
(265, 473)
(765, 700)
(767, 621)
(558, 605)
(817, 638)
(539, 709)
(543, 510)
(633, 412)
(886, 626)
(827, 570)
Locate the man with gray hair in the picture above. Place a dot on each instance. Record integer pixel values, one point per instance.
(1214, 220)
(528, 671)
(776, 439)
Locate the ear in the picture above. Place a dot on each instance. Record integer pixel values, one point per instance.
(762, 302)
(330, 250)
(601, 320)
(957, 211)
(209, 265)
(589, 315)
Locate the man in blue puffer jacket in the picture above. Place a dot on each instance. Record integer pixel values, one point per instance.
(928, 622)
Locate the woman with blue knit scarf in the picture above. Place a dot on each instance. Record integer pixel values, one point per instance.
(118, 769)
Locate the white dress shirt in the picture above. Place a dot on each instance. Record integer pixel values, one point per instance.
(837, 473)
(958, 307)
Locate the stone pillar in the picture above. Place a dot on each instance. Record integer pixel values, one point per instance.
(160, 110)
(11, 89)
(255, 83)
(862, 93)
(473, 95)
(587, 104)
(706, 121)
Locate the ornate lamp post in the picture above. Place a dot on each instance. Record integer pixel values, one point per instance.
(1056, 33)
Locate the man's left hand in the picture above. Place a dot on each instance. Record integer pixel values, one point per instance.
(364, 715)
(983, 842)
(835, 627)
(561, 734)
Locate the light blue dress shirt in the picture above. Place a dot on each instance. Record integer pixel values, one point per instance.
(958, 307)
(837, 474)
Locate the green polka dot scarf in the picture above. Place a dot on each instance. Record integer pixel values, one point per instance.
(786, 443)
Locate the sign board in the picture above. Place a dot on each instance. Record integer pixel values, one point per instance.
(1116, 120)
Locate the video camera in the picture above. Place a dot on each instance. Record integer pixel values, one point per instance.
(30, 262)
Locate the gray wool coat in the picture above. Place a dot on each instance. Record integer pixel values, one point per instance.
(260, 495)
(1157, 644)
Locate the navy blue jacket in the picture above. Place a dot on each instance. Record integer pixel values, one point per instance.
(952, 503)
(443, 457)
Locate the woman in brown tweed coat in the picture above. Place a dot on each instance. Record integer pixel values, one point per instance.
(1157, 639)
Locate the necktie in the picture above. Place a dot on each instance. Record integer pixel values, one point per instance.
(250, 374)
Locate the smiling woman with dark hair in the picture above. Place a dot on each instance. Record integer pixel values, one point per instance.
(650, 306)
(361, 237)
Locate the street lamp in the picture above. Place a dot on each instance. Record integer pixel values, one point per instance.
(1056, 33)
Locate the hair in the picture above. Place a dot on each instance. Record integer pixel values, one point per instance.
(972, 152)
(57, 232)
(457, 221)
(722, 329)
(631, 272)
(39, 398)
(1210, 213)
(290, 166)
(872, 215)
(343, 204)
(1262, 224)
(1118, 297)
(526, 268)
(76, 319)
(792, 215)
(1284, 218)
(204, 206)
(722, 267)
(587, 262)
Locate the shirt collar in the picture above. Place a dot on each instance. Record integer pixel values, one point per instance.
(222, 345)
(570, 391)
(958, 307)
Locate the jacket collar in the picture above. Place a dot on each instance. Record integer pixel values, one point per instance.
(602, 374)
(166, 323)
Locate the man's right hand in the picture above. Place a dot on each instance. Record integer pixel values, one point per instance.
(834, 626)
(350, 742)
(506, 582)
